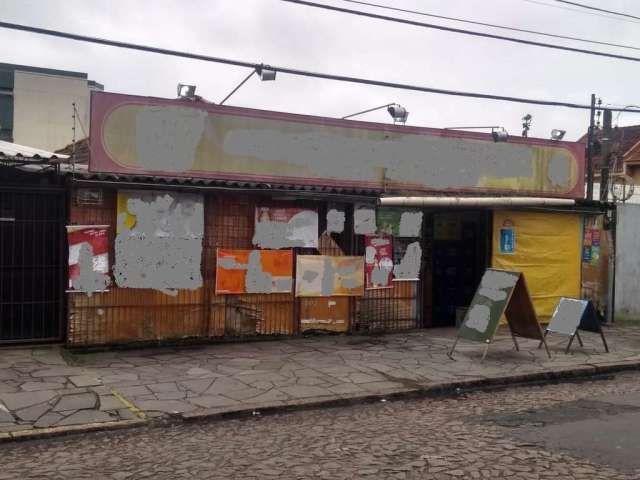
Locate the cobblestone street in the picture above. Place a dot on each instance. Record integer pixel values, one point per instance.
(462, 437)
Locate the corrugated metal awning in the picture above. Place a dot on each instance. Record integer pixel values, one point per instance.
(22, 152)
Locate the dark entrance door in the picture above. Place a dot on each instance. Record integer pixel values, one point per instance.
(32, 268)
(459, 260)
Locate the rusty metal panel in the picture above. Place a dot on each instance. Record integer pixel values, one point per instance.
(325, 313)
(123, 315)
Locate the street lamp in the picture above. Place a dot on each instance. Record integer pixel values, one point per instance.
(266, 74)
(557, 134)
(397, 112)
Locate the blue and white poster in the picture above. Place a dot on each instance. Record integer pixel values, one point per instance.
(507, 240)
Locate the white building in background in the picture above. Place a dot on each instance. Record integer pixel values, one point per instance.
(36, 105)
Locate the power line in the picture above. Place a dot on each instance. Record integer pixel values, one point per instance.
(492, 25)
(589, 7)
(610, 17)
(459, 30)
(292, 71)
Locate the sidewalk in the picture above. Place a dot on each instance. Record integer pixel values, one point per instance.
(46, 391)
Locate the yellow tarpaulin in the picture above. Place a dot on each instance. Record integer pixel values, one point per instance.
(546, 247)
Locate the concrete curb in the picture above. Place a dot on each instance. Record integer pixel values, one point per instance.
(39, 433)
(444, 389)
(437, 390)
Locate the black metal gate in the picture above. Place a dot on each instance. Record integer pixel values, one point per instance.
(32, 264)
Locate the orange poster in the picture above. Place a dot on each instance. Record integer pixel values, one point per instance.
(254, 271)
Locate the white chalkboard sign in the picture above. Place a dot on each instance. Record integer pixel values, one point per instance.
(571, 315)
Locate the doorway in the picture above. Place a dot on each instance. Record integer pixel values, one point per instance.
(32, 264)
(460, 256)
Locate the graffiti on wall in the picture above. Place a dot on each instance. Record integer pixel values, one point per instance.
(159, 240)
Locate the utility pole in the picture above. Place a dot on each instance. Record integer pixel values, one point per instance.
(590, 148)
(606, 141)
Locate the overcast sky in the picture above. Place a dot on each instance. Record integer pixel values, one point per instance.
(284, 34)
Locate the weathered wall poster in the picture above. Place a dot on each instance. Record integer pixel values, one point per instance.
(132, 134)
(400, 223)
(507, 237)
(408, 267)
(88, 258)
(159, 240)
(335, 220)
(277, 227)
(254, 271)
(364, 220)
(325, 276)
(378, 261)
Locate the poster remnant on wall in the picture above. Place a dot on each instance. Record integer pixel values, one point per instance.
(325, 314)
(159, 240)
(335, 220)
(364, 220)
(400, 223)
(254, 271)
(409, 266)
(591, 245)
(277, 227)
(378, 261)
(325, 276)
(88, 258)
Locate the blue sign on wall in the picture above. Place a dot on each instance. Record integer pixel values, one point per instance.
(507, 240)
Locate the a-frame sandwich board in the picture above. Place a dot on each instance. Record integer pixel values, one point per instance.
(500, 292)
(572, 315)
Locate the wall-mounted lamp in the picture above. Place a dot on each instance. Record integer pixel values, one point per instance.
(557, 134)
(499, 135)
(397, 112)
(264, 71)
(186, 91)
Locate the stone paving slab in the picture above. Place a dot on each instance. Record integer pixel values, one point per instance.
(39, 391)
(40, 388)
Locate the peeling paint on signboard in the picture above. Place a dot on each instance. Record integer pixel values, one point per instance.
(159, 240)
